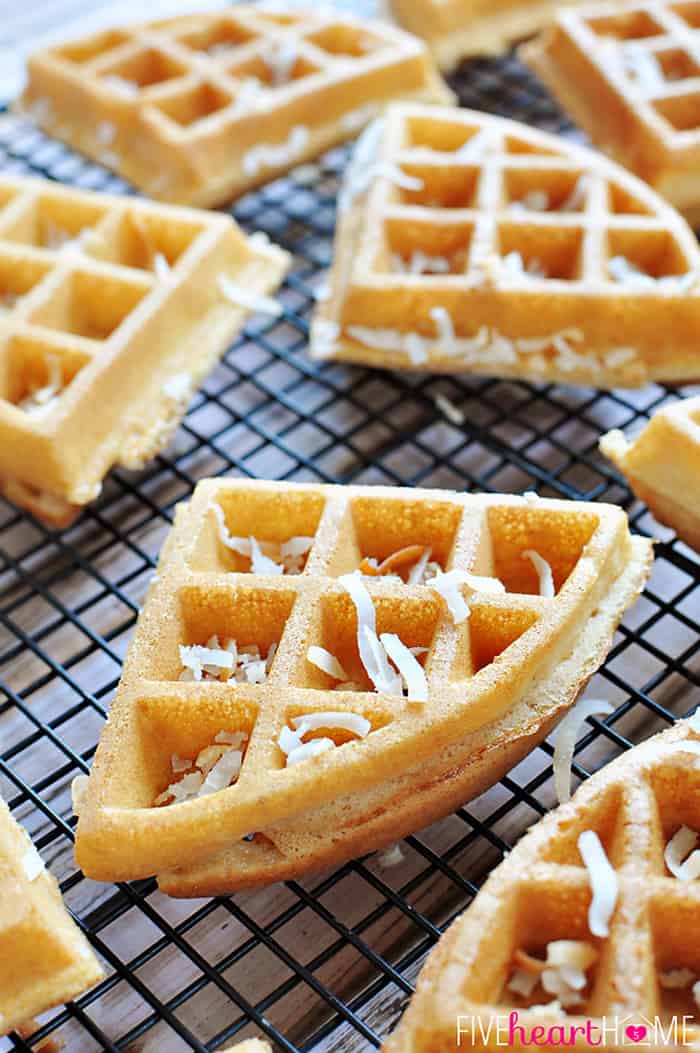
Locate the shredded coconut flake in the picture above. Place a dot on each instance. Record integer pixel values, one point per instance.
(196, 658)
(603, 881)
(249, 299)
(177, 387)
(332, 721)
(409, 667)
(280, 155)
(215, 768)
(281, 60)
(309, 749)
(682, 856)
(566, 741)
(533, 201)
(544, 573)
(372, 654)
(420, 263)
(161, 267)
(42, 400)
(390, 857)
(326, 662)
(32, 863)
(448, 586)
(625, 272)
(448, 409)
(265, 557)
(475, 147)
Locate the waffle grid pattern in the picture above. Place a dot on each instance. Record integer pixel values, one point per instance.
(57, 312)
(588, 219)
(223, 99)
(268, 411)
(668, 33)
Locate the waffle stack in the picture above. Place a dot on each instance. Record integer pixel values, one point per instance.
(111, 312)
(44, 958)
(468, 242)
(662, 465)
(252, 654)
(199, 109)
(455, 29)
(629, 75)
(535, 916)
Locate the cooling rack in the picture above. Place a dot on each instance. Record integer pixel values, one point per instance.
(325, 963)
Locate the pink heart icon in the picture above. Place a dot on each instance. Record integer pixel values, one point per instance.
(636, 1033)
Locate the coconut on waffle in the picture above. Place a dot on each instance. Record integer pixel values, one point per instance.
(454, 29)
(44, 958)
(198, 109)
(594, 916)
(662, 465)
(467, 242)
(251, 1045)
(245, 699)
(111, 312)
(629, 75)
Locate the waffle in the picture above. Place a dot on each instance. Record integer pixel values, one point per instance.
(630, 78)
(111, 312)
(455, 29)
(198, 109)
(469, 242)
(662, 466)
(640, 972)
(146, 808)
(44, 958)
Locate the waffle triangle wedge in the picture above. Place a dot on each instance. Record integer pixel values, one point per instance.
(44, 958)
(467, 242)
(641, 974)
(457, 29)
(629, 76)
(111, 312)
(662, 465)
(476, 670)
(199, 109)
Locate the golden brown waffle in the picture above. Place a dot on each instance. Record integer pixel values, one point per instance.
(477, 669)
(455, 29)
(467, 242)
(199, 109)
(662, 465)
(111, 312)
(629, 75)
(44, 958)
(643, 970)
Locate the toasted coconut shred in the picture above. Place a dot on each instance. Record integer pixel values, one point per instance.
(42, 400)
(544, 573)
(32, 863)
(377, 654)
(215, 768)
(78, 789)
(562, 973)
(291, 739)
(413, 560)
(266, 557)
(603, 879)
(225, 661)
(448, 586)
(251, 301)
(682, 856)
(566, 741)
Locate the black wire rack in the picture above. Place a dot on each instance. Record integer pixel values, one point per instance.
(328, 962)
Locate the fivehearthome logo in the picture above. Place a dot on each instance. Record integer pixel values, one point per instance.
(513, 1030)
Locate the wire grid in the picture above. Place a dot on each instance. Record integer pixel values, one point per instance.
(328, 962)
